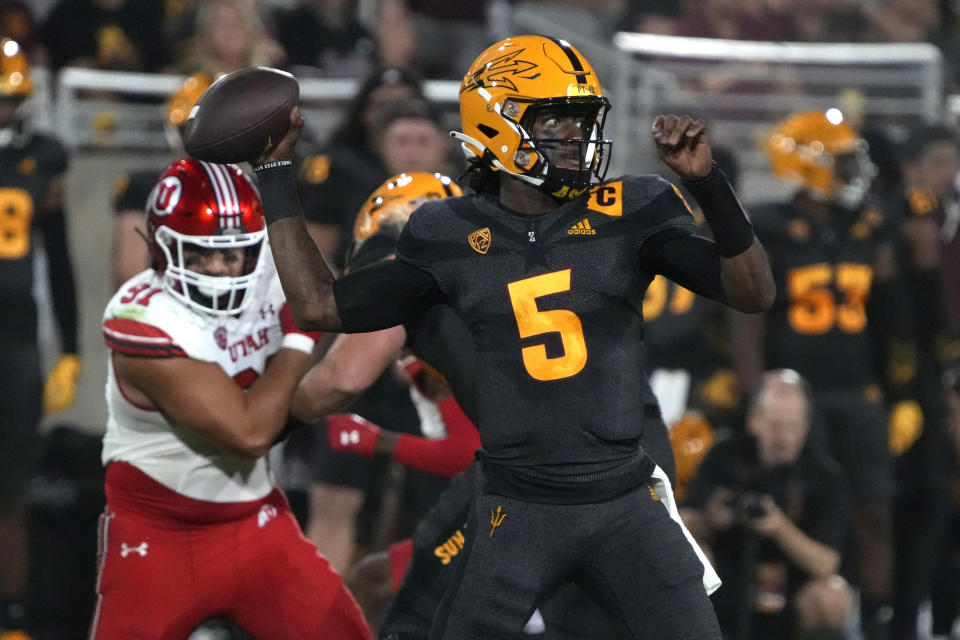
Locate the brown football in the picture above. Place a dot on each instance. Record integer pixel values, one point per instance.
(241, 116)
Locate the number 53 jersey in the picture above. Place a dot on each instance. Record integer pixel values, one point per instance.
(554, 306)
(824, 272)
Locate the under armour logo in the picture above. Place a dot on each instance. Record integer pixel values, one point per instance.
(267, 513)
(126, 549)
(349, 437)
(496, 519)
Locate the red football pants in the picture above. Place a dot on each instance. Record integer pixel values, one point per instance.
(167, 563)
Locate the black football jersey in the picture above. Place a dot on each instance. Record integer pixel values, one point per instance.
(27, 168)
(553, 305)
(818, 324)
(25, 174)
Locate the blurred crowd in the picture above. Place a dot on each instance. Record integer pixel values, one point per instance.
(866, 250)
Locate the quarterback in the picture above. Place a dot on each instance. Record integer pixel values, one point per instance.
(205, 359)
(563, 492)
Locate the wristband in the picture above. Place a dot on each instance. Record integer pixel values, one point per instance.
(732, 230)
(298, 341)
(278, 190)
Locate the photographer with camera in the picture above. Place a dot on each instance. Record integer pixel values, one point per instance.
(773, 512)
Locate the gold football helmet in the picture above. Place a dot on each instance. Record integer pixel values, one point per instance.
(817, 150)
(14, 70)
(396, 199)
(181, 102)
(507, 86)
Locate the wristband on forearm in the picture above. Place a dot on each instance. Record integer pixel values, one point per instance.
(732, 230)
(278, 190)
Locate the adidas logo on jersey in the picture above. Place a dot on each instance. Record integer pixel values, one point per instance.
(582, 228)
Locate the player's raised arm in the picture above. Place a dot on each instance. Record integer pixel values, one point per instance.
(683, 145)
(307, 279)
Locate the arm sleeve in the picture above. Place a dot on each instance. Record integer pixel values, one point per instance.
(443, 456)
(62, 286)
(385, 294)
(690, 260)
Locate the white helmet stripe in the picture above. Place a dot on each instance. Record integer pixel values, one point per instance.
(227, 201)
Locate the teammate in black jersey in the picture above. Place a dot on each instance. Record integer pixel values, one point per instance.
(31, 200)
(564, 492)
(839, 298)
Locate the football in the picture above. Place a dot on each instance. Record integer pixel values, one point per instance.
(241, 116)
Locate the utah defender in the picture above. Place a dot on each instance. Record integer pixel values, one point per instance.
(205, 360)
(564, 491)
(31, 200)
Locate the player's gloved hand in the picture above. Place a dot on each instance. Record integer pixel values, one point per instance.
(61, 384)
(905, 426)
(350, 432)
(293, 337)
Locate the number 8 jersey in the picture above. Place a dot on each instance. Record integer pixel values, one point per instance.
(554, 305)
(142, 319)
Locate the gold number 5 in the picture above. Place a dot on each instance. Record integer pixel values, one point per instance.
(532, 322)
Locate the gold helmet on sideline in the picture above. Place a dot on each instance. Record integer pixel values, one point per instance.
(182, 100)
(14, 70)
(407, 190)
(819, 151)
(507, 85)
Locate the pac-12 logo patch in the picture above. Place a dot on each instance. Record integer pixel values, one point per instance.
(480, 240)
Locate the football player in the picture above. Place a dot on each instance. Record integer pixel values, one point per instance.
(562, 491)
(204, 361)
(31, 200)
(838, 294)
(356, 362)
(929, 212)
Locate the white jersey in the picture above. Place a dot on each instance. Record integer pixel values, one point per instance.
(143, 319)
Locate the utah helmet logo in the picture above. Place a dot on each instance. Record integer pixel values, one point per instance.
(498, 72)
(480, 240)
(165, 196)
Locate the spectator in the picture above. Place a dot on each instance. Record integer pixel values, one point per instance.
(839, 293)
(773, 511)
(18, 23)
(439, 38)
(650, 16)
(325, 37)
(124, 35)
(729, 19)
(412, 139)
(227, 35)
(334, 184)
(32, 202)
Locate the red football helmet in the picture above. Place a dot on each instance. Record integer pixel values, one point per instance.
(204, 206)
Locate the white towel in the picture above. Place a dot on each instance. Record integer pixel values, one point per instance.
(661, 484)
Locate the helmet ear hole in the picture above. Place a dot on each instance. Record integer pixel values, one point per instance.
(488, 131)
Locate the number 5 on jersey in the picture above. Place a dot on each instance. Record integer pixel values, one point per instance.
(533, 322)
